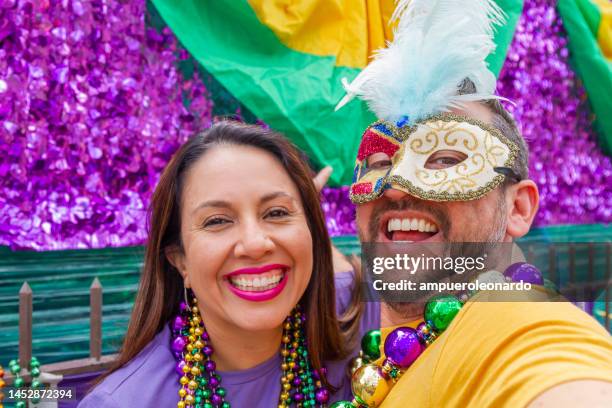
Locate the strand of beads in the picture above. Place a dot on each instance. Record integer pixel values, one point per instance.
(2, 384)
(371, 384)
(300, 382)
(19, 382)
(200, 384)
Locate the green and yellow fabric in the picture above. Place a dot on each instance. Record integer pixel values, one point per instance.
(284, 60)
(589, 27)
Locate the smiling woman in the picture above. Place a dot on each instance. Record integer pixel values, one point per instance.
(236, 301)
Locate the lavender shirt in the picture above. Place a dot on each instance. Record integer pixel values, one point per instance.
(150, 380)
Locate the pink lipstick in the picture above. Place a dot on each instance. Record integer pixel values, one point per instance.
(258, 284)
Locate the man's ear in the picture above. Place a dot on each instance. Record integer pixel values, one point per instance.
(176, 257)
(522, 200)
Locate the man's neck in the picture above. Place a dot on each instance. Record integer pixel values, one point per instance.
(390, 317)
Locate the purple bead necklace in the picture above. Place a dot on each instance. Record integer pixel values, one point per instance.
(200, 385)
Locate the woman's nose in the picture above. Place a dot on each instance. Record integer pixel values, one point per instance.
(254, 242)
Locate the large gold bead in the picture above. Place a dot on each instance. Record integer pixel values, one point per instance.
(184, 380)
(197, 331)
(182, 393)
(198, 344)
(369, 385)
(180, 404)
(192, 385)
(197, 357)
(195, 371)
(189, 400)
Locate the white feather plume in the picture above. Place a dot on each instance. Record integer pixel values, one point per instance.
(436, 45)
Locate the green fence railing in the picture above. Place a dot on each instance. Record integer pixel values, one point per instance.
(60, 282)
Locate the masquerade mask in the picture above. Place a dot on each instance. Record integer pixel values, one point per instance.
(444, 157)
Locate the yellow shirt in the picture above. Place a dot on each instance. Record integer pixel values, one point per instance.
(504, 354)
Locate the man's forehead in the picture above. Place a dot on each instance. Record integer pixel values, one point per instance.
(475, 110)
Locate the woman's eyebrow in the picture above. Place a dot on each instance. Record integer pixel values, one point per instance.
(225, 204)
(272, 196)
(212, 203)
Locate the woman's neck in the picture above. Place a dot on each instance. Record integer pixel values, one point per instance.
(235, 349)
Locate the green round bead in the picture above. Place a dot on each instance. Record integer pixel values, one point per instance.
(18, 383)
(342, 404)
(370, 344)
(14, 368)
(441, 310)
(225, 405)
(35, 384)
(206, 394)
(35, 372)
(220, 392)
(20, 404)
(13, 362)
(198, 399)
(208, 405)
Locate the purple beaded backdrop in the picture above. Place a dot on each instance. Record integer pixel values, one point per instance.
(91, 109)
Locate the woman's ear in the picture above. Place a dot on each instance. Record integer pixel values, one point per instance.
(522, 201)
(175, 256)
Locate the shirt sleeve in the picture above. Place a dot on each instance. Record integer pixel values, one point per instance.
(343, 282)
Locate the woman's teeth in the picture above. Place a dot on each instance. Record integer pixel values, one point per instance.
(410, 224)
(257, 283)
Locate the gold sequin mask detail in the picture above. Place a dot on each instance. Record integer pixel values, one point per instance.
(445, 157)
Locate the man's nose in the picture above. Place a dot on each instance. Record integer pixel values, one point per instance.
(394, 195)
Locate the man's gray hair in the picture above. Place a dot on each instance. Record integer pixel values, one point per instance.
(505, 123)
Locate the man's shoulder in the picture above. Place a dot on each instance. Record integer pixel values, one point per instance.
(516, 311)
(507, 353)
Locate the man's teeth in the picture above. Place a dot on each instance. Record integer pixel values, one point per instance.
(254, 283)
(410, 224)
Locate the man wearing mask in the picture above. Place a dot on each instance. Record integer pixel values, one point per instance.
(446, 164)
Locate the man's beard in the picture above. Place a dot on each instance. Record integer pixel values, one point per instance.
(467, 243)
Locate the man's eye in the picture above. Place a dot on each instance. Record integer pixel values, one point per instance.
(378, 161)
(444, 159)
(381, 164)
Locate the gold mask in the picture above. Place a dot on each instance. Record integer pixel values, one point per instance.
(445, 157)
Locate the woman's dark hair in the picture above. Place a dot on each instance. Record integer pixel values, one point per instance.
(161, 286)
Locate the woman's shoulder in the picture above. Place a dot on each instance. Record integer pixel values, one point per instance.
(151, 369)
